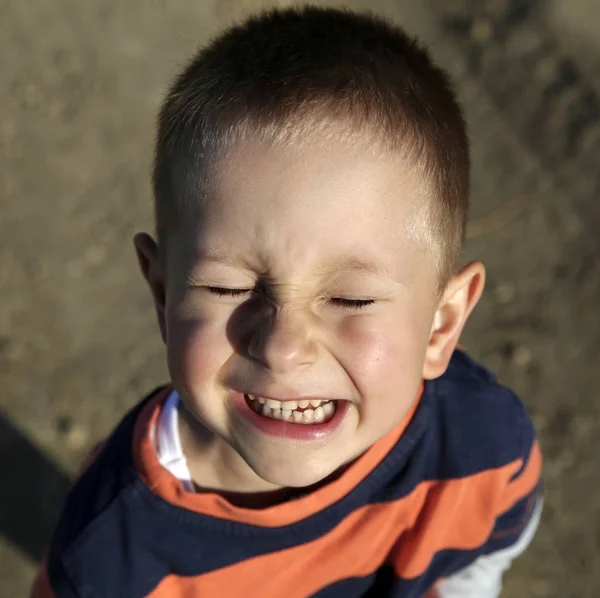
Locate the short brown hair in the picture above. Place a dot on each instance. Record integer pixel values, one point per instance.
(285, 70)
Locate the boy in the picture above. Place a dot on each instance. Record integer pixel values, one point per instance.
(322, 435)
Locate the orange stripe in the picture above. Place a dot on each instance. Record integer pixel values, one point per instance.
(526, 481)
(459, 514)
(163, 483)
(406, 533)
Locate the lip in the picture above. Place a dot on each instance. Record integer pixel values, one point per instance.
(294, 431)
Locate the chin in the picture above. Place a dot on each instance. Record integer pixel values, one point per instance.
(290, 476)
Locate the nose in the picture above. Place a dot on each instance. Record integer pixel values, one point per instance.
(284, 343)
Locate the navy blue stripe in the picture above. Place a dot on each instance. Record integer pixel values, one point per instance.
(92, 494)
(510, 525)
(384, 583)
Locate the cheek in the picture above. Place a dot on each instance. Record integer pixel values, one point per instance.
(382, 356)
(197, 348)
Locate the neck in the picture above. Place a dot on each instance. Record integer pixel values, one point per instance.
(233, 479)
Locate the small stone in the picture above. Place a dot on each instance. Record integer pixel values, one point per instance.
(74, 434)
(505, 293)
(481, 29)
(78, 438)
(11, 350)
(523, 41)
(31, 96)
(95, 254)
(75, 268)
(546, 70)
(64, 424)
(573, 225)
(521, 357)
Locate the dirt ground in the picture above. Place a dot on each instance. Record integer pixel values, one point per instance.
(78, 345)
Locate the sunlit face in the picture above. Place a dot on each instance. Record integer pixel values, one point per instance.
(303, 278)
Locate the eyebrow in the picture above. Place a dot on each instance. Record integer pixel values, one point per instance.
(338, 265)
(226, 260)
(353, 264)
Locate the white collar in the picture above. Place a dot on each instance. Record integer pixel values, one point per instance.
(168, 443)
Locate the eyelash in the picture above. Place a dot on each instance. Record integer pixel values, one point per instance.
(339, 301)
(224, 292)
(351, 303)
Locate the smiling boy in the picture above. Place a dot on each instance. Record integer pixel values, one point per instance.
(321, 435)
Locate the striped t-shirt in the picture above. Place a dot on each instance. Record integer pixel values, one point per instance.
(436, 507)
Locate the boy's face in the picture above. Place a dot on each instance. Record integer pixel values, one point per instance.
(304, 277)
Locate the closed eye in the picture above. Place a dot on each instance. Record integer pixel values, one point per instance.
(350, 303)
(336, 301)
(226, 292)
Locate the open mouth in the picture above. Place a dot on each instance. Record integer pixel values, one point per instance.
(305, 412)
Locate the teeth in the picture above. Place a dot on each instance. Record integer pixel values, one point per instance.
(319, 415)
(323, 409)
(291, 405)
(308, 415)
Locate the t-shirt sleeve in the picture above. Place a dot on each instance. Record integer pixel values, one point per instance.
(518, 516)
(42, 587)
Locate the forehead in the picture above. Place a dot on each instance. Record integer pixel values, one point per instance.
(313, 202)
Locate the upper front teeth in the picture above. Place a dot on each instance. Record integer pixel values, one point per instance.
(289, 405)
(319, 415)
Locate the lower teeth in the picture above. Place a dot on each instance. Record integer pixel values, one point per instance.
(321, 414)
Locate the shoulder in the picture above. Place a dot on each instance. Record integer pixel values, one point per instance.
(477, 424)
(109, 474)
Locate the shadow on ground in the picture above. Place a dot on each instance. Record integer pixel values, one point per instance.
(32, 484)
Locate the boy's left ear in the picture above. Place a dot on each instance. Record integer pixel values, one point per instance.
(460, 297)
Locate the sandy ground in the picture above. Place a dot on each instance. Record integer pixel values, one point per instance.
(78, 346)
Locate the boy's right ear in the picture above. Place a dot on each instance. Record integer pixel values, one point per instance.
(153, 271)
